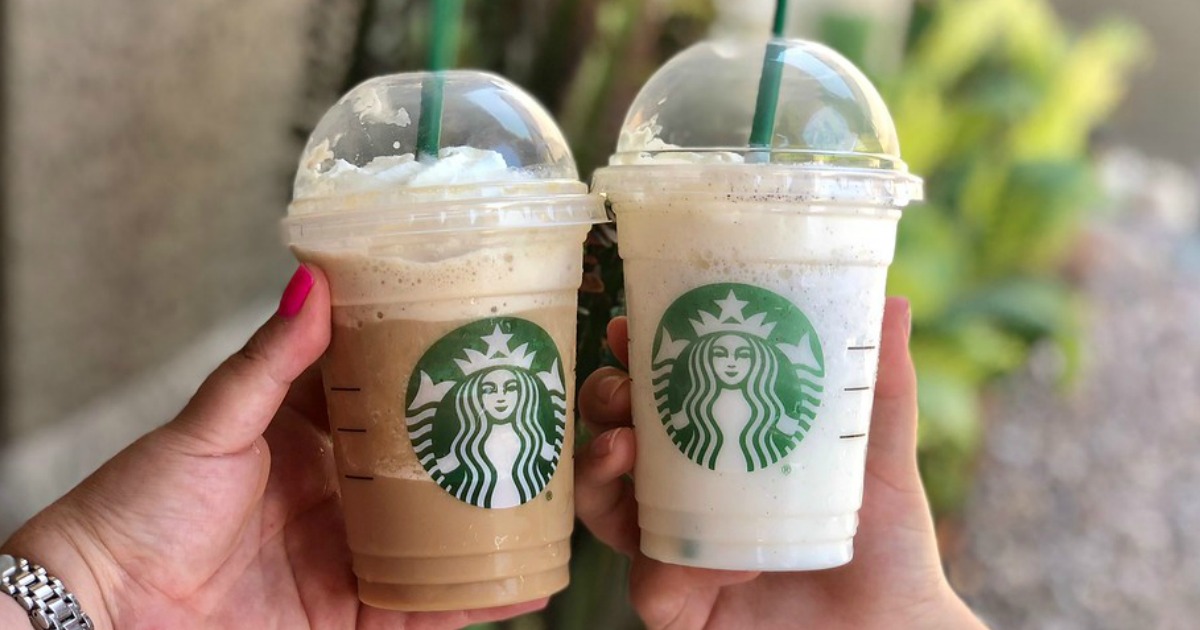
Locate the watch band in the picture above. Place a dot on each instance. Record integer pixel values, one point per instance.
(49, 604)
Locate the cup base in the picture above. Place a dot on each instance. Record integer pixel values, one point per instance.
(743, 542)
(747, 557)
(464, 596)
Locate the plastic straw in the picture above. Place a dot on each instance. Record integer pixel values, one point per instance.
(763, 130)
(443, 51)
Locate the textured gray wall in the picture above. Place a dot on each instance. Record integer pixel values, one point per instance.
(1162, 115)
(150, 149)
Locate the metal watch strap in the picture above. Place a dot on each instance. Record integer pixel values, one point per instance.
(49, 604)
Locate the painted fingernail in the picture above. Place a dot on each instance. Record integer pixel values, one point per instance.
(610, 386)
(296, 293)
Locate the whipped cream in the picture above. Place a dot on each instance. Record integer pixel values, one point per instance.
(643, 145)
(324, 175)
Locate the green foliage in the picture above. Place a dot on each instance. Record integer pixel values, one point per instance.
(995, 105)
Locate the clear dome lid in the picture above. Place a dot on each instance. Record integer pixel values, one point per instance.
(499, 162)
(831, 138)
(704, 100)
(493, 135)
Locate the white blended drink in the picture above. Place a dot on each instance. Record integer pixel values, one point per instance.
(450, 374)
(755, 280)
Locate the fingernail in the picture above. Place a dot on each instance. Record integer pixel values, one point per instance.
(907, 323)
(605, 443)
(609, 387)
(296, 293)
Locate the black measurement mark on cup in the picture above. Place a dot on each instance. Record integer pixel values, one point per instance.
(852, 436)
(856, 389)
(345, 389)
(360, 477)
(350, 430)
(861, 348)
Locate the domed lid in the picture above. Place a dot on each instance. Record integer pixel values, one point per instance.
(704, 99)
(825, 136)
(491, 133)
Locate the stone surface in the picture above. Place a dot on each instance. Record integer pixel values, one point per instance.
(150, 153)
(1085, 512)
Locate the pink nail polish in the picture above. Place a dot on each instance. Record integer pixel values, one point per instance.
(296, 293)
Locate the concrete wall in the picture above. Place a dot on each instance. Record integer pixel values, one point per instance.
(150, 149)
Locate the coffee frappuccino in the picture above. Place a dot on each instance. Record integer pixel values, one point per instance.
(450, 374)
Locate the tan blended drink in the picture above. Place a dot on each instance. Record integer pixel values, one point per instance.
(450, 374)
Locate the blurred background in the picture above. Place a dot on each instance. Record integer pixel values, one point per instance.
(148, 151)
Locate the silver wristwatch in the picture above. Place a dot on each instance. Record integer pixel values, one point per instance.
(43, 596)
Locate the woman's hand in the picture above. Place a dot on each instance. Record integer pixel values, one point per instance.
(228, 516)
(896, 578)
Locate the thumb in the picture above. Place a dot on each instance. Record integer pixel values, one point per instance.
(236, 402)
(892, 451)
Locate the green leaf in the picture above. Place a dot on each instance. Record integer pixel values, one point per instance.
(927, 267)
(1038, 218)
(1030, 307)
(1087, 85)
(948, 401)
(960, 35)
(947, 474)
(992, 348)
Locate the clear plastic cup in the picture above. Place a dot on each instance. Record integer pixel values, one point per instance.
(450, 375)
(755, 279)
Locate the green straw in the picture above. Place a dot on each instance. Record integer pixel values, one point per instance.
(443, 50)
(763, 130)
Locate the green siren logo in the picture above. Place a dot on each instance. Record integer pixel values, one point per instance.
(487, 411)
(737, 376)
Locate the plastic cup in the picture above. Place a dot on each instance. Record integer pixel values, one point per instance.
(755, 281)
(450, 374)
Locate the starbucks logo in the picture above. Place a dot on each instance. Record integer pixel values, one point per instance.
(737, 376)
(487, 410)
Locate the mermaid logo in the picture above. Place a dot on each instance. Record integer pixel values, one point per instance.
(737, 376)
(487, 410)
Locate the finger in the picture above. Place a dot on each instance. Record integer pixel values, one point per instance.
(618, 339)
(892, 447)
(458, 619)
(604, 498)
(307, 398)
(378, 619)
(238, 400)
(672, 596)
(604, 400)
(302, 472)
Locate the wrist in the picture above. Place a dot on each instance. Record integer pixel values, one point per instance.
(63, 558)
(11, 614)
